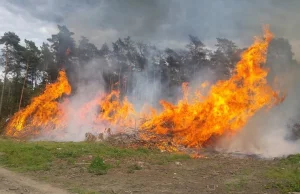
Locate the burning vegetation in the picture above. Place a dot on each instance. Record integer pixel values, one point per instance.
(44, 112)
(191, 122)
(227, 107)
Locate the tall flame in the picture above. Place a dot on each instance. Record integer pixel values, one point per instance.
(116, 111)
(112, 112)
(226, 108)
(42, 111)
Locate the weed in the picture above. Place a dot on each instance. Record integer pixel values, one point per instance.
(98, 166)
(117, 164)
(133, 168)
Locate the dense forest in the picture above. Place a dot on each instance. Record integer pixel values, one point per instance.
(27, 68)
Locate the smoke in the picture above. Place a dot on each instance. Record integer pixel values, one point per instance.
(271, 132)
(89, 85)
(145, 90)
(166, 22)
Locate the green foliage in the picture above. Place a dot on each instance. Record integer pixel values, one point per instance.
(10, 38)
(98, 166)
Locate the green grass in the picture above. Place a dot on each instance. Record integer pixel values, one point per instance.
(25, 157)
(286, 176)
(35, 156)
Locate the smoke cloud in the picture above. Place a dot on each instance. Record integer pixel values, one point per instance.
(167, 22)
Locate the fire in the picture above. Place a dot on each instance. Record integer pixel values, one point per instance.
(112, 112)
(224, 110)
(117, 112)
(195, 120)
(43, 111)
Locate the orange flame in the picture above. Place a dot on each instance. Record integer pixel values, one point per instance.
(227, 107)
(116, 111)
(42, 111)
(112, 112)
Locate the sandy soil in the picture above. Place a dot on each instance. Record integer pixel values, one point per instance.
(13, 183)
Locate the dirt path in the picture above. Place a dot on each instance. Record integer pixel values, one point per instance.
(11, 182)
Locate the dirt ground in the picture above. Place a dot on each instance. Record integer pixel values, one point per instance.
(214, 173)
(13, 183)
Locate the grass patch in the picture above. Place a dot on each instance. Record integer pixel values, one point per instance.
(66, 154)
(24, 157)
(98, 166)
(286, 176)
(35, 156)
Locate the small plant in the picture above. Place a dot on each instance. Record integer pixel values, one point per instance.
(98, 166)
(133, 168)
(117, 164)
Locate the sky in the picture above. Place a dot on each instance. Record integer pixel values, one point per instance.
(166, 23)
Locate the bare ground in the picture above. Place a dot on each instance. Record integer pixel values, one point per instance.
(214, 173)
(13, 183)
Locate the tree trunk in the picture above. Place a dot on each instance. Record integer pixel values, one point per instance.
(5, 74)
(23, 87)
(2, 93)
(9, 101)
